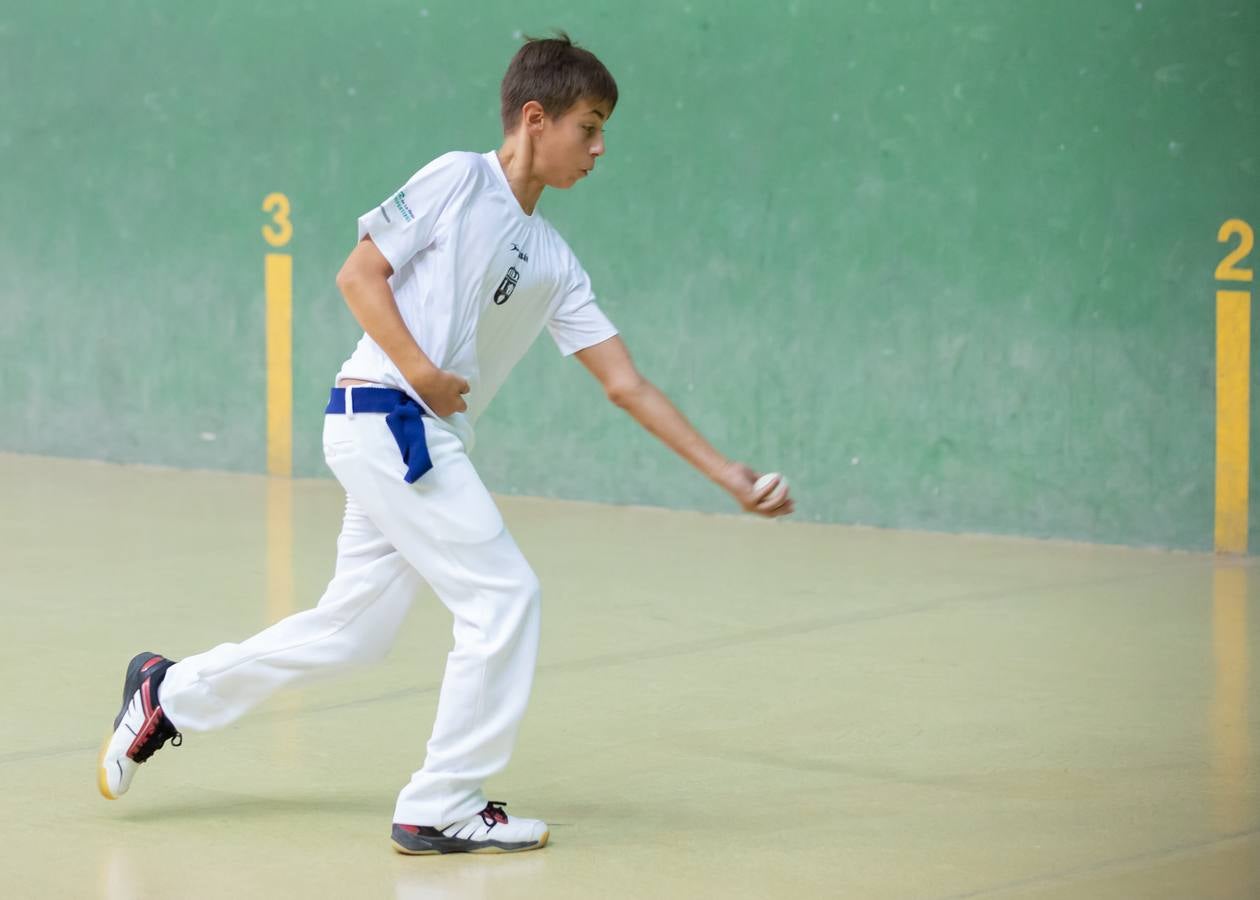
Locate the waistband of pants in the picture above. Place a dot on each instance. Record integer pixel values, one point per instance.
(403, 415)
(364, 399)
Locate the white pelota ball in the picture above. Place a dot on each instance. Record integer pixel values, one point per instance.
(779, 492)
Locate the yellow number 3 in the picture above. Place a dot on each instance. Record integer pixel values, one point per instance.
(277, 234)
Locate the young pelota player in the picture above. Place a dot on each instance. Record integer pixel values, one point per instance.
(452, 279)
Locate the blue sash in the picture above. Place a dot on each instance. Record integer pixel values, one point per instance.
(404, 416)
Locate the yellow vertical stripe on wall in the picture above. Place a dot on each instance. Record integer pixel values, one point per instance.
(278, 279)
(1233, 365)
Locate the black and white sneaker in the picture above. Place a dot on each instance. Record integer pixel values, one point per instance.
(489, 831)
(140, 729)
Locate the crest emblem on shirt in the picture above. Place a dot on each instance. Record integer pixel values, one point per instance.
(506, 286)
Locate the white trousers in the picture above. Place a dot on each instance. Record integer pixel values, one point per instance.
(446, 529)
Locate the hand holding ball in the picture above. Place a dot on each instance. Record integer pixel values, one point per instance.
(775, 496)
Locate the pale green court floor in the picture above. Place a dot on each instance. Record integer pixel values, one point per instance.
(725, 708)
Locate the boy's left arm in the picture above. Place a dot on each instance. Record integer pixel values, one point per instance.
(612, 366)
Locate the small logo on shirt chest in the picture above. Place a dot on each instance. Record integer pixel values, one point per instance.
(507, 286)
(512, 278)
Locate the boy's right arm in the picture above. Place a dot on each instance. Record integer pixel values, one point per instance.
(364, 282)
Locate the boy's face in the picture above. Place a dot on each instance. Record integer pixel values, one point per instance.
(567, 146)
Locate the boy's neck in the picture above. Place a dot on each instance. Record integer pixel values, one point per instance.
(516, 156)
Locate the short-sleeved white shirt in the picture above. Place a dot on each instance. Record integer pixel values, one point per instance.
(475, 279)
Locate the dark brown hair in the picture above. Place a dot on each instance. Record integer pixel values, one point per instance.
(555, 72)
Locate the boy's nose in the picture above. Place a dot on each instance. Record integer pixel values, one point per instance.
(598, 148)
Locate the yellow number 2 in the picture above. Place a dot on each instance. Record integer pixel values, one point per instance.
(1246, 240)
(277, 234)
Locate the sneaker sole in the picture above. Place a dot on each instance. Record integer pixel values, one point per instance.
(102, 780)
(461, 846)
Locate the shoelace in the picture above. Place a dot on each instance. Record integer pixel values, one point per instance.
(494, 813)
(155, 737)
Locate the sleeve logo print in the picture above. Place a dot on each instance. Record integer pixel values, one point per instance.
(506, 286)
(400, 203)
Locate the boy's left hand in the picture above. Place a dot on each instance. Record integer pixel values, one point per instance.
(738, 480)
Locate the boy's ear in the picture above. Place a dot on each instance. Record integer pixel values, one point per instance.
(533, 116)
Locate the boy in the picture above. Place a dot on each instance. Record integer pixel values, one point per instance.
(452, 279)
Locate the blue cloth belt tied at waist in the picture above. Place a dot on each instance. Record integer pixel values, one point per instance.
(403, 415)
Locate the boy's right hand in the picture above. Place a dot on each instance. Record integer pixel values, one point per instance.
(442, 390)
(739, 481)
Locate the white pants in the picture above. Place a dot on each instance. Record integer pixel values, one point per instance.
(446, 529)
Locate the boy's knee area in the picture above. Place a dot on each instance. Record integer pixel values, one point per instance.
(524, 597)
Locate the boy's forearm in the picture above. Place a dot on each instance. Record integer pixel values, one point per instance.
(655, 412)
(373, 305)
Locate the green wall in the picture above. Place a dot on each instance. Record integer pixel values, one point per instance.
(949, 265)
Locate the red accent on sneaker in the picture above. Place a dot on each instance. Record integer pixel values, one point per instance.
(410, 829)
(146, 731)
(151, 663)
(145, 698)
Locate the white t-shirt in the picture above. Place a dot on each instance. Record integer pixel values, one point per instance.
(475, 279)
